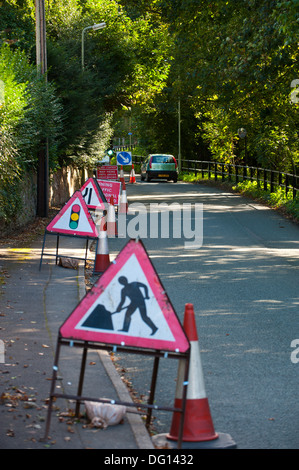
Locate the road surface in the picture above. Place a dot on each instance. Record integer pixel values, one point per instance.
(244, 284)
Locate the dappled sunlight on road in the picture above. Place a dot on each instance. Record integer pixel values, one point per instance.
(224, 254)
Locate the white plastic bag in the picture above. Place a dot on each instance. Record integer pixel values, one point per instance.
(103, 415)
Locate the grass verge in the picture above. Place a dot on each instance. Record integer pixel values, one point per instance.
(277, 200)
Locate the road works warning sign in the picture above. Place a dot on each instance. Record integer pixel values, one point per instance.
(128, 306)
(74, 219)
(111, 188)
(93, 194)
(107, 172)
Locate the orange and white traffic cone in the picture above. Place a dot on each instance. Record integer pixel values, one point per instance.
(121, 175)
(123, 203)
(102, 260)
(198, 424)
(198, 429)
(132, 175)
(111, 220)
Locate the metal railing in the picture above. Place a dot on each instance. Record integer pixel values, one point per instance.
(266, 179)
(120, 148)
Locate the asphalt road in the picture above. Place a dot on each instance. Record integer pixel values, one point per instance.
(243, 282)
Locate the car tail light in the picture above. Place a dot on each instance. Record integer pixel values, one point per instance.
(150, 162)
(175, 162)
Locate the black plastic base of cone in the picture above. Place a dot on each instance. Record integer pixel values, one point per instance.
(223, 441)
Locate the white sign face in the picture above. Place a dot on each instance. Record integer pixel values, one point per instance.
(139, 314)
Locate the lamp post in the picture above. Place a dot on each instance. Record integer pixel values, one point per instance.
(94, 27)
(179, 136)
(243, 135)
(42, 206)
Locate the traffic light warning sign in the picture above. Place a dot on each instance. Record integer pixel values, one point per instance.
(128, 306)
(93, 194)
(74, 219)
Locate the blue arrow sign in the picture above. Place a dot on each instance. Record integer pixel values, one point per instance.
(124, 158)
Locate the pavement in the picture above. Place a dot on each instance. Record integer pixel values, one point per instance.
(34, 303)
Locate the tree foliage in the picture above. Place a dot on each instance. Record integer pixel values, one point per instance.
(233, 65)
(29, 111)
(228, 64)
(124, 66)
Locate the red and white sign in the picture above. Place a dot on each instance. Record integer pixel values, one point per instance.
(128, 306)
(107, 172)
(111, 188)
(93, 194)
(74, 219)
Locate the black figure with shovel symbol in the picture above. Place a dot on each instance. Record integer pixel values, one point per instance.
(132, 290)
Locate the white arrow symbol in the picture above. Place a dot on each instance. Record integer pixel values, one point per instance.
(124, 158)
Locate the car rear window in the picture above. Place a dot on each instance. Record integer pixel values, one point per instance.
(162, 159)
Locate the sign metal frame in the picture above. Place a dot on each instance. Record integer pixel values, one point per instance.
(149, 406)
(56, 255)
(64, 233)
(156, 350)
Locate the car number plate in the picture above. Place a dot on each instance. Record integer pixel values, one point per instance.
(163, 175)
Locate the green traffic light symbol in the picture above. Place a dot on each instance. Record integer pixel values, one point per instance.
(75, 214)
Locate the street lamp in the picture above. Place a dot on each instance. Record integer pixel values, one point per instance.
(94, 27)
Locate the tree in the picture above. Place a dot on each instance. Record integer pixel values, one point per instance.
(125, 67)
(29, 110)
(233, 63)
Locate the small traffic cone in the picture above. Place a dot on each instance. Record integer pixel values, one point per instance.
(102, 260)
(121, 175)
(123, 203)
(198, 424)
(132, 176)
(111, 220)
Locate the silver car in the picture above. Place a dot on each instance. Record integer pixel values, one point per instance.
(159, 166)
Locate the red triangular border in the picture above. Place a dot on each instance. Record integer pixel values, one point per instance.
(68, 329)
(68, 231)
(99, 193)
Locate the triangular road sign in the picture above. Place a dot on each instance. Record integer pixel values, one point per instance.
(128, 306)
(93, 194)
(74, 219)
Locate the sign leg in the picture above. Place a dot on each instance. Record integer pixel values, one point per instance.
(95, 259)
(185, 388)
(153, 388)
(41, 258)
(54, 378)
(81, 379)
(57, 248)
(86, 250)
